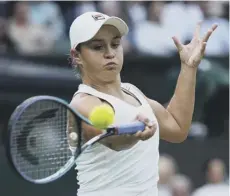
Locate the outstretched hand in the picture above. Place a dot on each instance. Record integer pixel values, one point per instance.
(192, 53)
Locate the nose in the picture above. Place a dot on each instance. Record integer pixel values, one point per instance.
(109, 53)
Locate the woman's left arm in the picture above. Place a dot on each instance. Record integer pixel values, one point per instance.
(175, 120)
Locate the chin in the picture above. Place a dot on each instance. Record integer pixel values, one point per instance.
(111, 76)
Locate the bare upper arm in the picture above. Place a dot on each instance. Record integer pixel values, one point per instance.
(169, 128)
(84, 104)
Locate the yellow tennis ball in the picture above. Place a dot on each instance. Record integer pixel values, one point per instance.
(102, 116)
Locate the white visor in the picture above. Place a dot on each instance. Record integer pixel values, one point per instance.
(86, 26)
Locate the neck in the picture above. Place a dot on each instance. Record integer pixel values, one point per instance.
(112, 88)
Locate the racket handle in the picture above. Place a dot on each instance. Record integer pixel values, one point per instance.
(131, 128)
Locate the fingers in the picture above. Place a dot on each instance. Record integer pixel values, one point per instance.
(197, 30)
(147, 133)
(209, 33)
(214, 27)
(143, 119)
(203, 47)
(206, 38)
(177, 43)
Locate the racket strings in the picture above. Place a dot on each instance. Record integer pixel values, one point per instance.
(40, 141)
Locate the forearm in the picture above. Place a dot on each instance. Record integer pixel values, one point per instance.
(117, 143)
(181, 106)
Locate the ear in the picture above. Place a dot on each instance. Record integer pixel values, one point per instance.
(76, 56)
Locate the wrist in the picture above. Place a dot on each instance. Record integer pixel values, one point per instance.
(188, 72)
(186, 67)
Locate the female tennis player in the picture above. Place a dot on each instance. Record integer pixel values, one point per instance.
(126, 165)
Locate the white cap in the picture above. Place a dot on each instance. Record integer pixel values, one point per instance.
(86, 26)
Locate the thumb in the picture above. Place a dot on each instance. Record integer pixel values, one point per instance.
(177, 43)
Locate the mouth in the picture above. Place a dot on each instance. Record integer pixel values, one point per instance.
(111, 64)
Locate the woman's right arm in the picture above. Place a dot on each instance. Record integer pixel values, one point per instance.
(84, 104)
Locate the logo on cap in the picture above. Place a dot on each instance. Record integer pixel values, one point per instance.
(98, 17)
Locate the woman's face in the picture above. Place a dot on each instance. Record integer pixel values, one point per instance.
(101, 58)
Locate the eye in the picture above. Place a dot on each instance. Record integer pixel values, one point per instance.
(98, 47)
(115, 45)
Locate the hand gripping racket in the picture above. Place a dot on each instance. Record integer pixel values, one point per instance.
(41, 132)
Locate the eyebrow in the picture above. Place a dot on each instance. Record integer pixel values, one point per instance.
(100, 40)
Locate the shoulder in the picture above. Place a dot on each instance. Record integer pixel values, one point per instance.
(129, 86)
(84, 103)
(153, 103)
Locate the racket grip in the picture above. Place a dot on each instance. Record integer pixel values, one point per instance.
(131, 128)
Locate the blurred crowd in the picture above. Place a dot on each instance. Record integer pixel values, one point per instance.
(41, 28)
(174, 183)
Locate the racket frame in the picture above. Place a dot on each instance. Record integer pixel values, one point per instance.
(12, 123)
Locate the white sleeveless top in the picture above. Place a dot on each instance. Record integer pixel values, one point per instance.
(132, 172)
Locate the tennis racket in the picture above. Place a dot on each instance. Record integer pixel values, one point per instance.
(45, 138)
